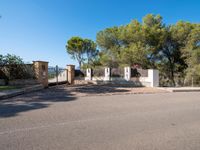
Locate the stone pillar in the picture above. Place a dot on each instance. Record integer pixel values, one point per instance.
(107, 74)
(153, 76)
(70, 74)
(41, 72)
(88, 74)
(127, 73)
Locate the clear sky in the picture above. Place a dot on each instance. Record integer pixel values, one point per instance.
(39, 29)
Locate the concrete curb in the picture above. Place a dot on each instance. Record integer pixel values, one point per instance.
(13, 93)
(182, 89)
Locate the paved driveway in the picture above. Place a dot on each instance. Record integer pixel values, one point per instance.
(55, 119)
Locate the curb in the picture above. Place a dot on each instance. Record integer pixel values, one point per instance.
(9, 94)
(189, 89)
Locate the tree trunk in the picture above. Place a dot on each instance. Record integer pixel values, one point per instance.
(79, 65)
(171, 65)
(172, 77)
(172, 73)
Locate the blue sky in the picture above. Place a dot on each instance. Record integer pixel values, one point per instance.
(39, 29)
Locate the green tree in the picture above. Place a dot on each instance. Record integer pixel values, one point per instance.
(135, 53)
(12, 60)
(109, 40)
(91, 52)
(76, 48)
(132, 33)
(191, 52)
(173, 49)
(82, 49)
(119, 42)
(11, 67)
(154, 36)
(1, 60)
(171, 59)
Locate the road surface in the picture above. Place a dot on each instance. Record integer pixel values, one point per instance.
(59, 121)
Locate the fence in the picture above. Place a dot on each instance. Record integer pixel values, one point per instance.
(125, 75)
(193, 81)
(36, 73)
(117, 72)
(98, 72)
(17, 71)
(80, 73)
(14, 74)
(57, 75)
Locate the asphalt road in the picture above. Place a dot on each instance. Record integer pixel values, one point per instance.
(167, 121)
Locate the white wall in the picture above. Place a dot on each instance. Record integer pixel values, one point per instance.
(152, 80)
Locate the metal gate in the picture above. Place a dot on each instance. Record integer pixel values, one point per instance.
(57, 75)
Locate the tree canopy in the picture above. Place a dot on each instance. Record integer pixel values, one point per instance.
(173, 49)
(10, 60)
(82, 50)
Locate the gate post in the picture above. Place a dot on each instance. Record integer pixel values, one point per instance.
(70, 73)
(41, 72)
(107, 76)
(153, 76)
(127, 73)
(57, 74)
(88, 74)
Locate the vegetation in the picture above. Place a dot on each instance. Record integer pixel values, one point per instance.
(172, 49)
(10, 59)
(13, 67)
(5, 65)
(3, 88)
(82, 50)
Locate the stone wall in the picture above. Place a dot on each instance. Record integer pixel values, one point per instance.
(23, 82)
(39, 70)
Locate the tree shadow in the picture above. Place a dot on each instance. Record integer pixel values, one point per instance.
(10, 110)
(47, 97)
(98, 89)
(33, 101)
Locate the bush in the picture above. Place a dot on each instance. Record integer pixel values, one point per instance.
(12, 67)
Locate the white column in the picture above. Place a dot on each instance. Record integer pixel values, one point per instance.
(127, 73)
(88, 74)
(107, 74)
(153, 76)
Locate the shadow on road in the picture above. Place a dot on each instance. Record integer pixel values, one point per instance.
(44, 98)
(32, 101)
(97, 89)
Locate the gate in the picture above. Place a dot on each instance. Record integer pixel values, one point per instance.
(117, 72)
(57, 75)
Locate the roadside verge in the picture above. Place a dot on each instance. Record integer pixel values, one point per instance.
(11, 93)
